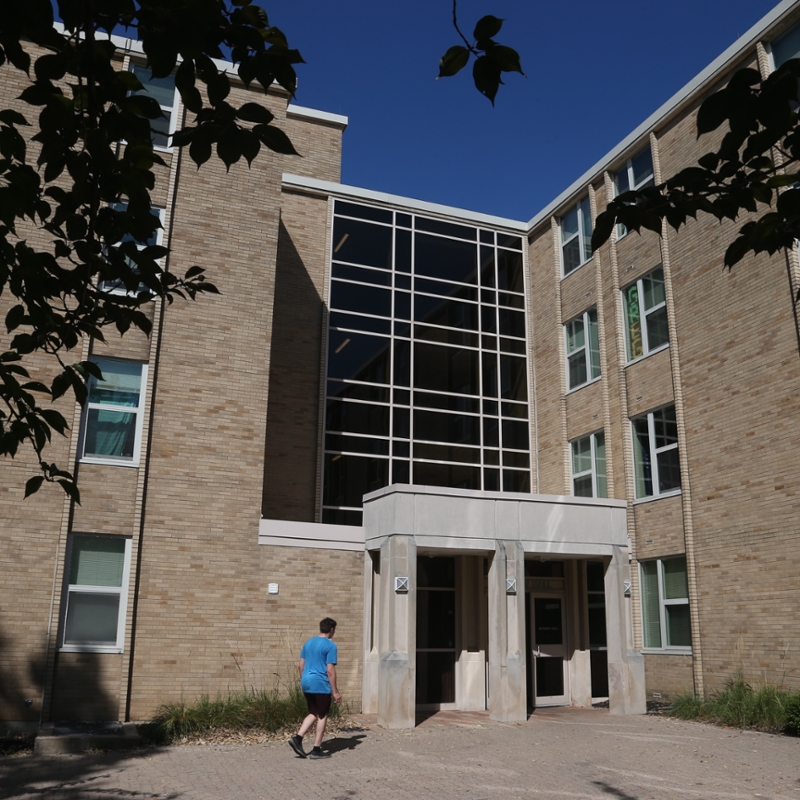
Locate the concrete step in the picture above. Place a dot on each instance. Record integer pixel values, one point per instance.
(57, 738)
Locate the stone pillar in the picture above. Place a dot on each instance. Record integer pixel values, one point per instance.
(507, 656)
(397, 634)
(626, 690)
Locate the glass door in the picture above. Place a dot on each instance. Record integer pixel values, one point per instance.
(549, 650)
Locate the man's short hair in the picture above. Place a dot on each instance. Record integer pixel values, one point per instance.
(327, 625)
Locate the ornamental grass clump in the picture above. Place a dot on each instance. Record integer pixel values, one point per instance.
(242, 711)
(740, 705)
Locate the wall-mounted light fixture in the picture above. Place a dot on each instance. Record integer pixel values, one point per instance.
(511, 585)
(626, 588)
(400, 584)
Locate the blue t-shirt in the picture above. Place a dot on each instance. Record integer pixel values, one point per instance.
(318, 653)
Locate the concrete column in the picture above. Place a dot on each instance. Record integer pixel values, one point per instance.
(397, 634)
(579, 664)
(507, 656)
(626, 690)
(370, 676)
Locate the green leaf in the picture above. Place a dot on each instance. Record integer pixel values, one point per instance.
(33, 485)
(487, 27)
(486, 75)
(71, 490)
(603, 226)
(275, 139)
(452, 61)
(15, 317)
(506, 58)
(254, 112)
(11, 117)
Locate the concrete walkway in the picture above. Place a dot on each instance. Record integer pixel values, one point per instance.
(559, 753)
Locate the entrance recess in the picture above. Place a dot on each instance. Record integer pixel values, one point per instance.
(547, 670)
(436, 632)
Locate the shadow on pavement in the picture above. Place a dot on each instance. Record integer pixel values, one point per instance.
(613, 791)
(341, 743)
(70, 777)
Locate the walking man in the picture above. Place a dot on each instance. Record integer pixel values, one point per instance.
(318, 681)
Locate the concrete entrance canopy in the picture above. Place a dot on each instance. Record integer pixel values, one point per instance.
(506, 528)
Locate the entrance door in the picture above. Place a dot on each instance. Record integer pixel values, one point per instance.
(549, 650)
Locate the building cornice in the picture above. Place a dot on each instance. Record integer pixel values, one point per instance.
(330, 189)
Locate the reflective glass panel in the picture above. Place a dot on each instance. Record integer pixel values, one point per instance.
(446, 259)
(357, 356)
(362, 243)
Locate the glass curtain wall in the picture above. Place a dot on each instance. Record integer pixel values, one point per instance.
(427, 378)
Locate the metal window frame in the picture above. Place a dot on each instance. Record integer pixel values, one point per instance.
(585, 320)
(654, 451)
(662, 604)
(138, 410)
(584, 208)
(644, 313)
(122, 590)
(592, 437)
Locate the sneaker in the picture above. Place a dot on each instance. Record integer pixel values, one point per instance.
(296, 743)
(317, 753)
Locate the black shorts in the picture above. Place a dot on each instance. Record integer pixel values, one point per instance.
(318, 704)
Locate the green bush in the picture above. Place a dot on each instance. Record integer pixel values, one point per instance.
(238, 711)
(792, 709)
(740, 705)
(686, 706)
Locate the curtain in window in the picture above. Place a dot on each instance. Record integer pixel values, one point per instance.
(97, 561)
(651, 622)
(643, 473)
(600, 458)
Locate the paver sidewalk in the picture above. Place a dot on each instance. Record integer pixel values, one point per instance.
(559, 753)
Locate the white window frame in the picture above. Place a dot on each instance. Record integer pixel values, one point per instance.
(171, 112)
(122, 591)
(593, 470)
(592, 368)
(633, 186)
(133, 461)
(583, 209)
(112, 287)
(663, 603)
(644, 314)
(654, 452)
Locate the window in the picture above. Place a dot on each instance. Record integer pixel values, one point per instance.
(155, 238)
(427, 371)
(583, 349)
(636, 174)
(589, 466)
(96, 581)
(162, 90)
(576, 236)
(665, 604)
(656, 464)
(112, 428)
(786, 47)
(646, 315)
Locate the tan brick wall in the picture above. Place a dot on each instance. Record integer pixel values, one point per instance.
(290, 466)
(667, 675)
(320, 145)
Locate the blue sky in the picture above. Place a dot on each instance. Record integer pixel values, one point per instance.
(595, 70)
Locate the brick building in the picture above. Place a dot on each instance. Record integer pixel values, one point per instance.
(579, 467)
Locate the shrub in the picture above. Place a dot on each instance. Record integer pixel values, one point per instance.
(738, 704)
(686, 706)
(792, 709)
(238, 711)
